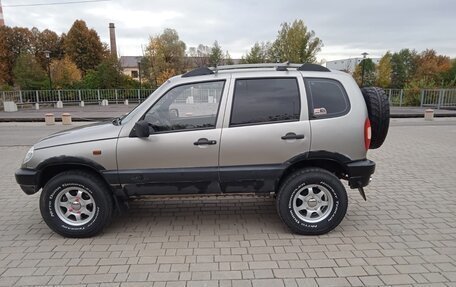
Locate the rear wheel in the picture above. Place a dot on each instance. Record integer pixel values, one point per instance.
(76, 204)
(312, 201)
(379, 114)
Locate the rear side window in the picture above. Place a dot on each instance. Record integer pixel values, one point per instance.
(270, 100)
(327, 98)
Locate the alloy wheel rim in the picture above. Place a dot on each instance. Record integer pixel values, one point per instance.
(75, 206)
(312, 203)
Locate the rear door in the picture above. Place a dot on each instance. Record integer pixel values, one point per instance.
(265, 125)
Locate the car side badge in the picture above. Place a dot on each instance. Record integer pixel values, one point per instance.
(320, 111)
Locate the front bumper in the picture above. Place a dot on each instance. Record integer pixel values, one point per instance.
(359, 172)
(28, 179)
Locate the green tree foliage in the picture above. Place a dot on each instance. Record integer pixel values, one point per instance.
(450, 75)
(84, 47)
(259, 53)
(384, 71)
(228, 59)
(295, 43)
(164, 56)
(403, 66)
(216, 55)
(28, 73)
(107, 75)
(369, 73)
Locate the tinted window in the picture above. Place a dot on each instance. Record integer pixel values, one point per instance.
(191, 106)
(265, 100)
(327, 98)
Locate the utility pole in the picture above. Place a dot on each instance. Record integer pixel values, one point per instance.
(139, 71)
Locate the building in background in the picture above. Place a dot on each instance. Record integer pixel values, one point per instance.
(2, 20)
(348, 65)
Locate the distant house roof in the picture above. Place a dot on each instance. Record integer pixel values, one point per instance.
(129, 61)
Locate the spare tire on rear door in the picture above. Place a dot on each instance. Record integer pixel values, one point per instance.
(379, 113)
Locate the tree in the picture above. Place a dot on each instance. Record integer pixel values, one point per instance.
(199, 55)
(403, 67)
(369, 73)
(216, 55)
(228, 60)
(28, 73)
(84, 47)
(295, 43)
(259, 53)
(164, 55)
(384, 71)
(107, 75)
(431, 68)
(64, 73)
(13, 42)
(450, 76)
(47, 40)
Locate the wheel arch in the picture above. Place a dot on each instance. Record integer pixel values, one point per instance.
(55, 165)
(332, 162)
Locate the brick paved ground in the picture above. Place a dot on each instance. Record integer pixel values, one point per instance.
(404, 234)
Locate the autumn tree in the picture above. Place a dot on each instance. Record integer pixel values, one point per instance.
(384, 71)
(431, 67)
(28, 73)
(295, 43)
(403, 67)
(216, 55)
(64, 73)
(84, 47)
(13, 42)
(164, 56)
(450, 75)
(46, 40)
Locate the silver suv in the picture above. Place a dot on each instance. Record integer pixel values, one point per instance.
(286, 129)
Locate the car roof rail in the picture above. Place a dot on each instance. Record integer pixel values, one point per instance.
(278, 66)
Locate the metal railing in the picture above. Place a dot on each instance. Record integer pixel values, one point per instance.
(76, 96)
(435, 98)
(438, 98)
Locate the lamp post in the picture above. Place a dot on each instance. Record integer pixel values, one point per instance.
(363, 68)
(47, 54)
(139, 71)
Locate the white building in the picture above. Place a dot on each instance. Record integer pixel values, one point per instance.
(348, 65)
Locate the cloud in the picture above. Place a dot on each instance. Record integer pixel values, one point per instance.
(347, 28)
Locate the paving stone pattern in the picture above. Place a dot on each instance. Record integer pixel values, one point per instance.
(405, 234)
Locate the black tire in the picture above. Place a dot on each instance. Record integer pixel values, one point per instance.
(295, 185)
(92, 189)
(379, 114)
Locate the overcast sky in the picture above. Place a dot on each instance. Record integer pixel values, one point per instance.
(347, 27)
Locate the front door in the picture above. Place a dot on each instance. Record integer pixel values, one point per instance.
(267, 126)
(181, 154)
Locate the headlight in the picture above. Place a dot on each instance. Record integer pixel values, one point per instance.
(29, 155)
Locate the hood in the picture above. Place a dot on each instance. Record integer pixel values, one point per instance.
(99, 131)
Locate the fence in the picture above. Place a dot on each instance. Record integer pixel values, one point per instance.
(435, 98)
(76, 96)
(438, 98)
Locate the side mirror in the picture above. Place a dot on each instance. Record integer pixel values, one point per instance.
(142, 129)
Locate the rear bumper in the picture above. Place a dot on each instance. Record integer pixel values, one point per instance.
(28, 179)
(359, 172)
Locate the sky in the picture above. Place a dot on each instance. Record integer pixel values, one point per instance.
(346, 27)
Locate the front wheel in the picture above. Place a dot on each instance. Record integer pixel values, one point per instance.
(76, 204)
(312, 201)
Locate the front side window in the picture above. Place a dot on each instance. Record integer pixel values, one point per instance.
(327, 98)
(187, 107)
(268, 100)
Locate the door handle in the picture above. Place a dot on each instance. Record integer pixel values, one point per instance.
(292, 136)
(205, 141)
